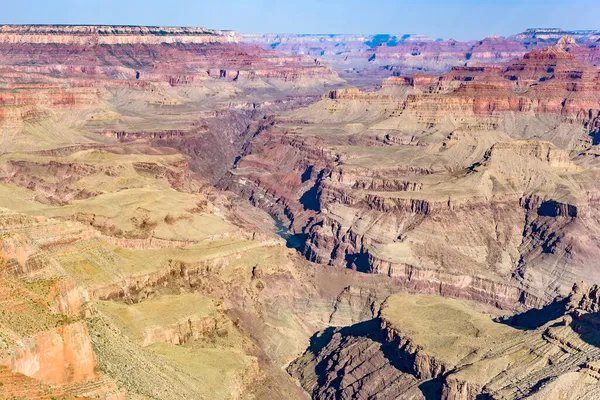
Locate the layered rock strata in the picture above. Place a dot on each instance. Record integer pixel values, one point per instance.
(365, 59)
(189, 88)
(103, 35)
(478, 183)
(427, 347)
(119, 262)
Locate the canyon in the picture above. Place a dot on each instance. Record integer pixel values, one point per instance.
(188, 213)
(373, 177)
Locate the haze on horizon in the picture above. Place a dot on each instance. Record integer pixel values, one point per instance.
(462, 20)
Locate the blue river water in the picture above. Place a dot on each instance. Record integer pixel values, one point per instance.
(293, 241)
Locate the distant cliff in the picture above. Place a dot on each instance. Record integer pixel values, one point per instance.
(111, 34)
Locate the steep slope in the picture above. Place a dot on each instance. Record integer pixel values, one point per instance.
(428, 347)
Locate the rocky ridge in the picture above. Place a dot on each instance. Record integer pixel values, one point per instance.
(427, 347)
(115, 34)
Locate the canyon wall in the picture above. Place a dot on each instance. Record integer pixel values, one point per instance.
(424, 347)
(126, 274)
(110, 35)
(111, 137)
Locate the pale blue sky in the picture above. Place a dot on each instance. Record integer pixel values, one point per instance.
(464, 19)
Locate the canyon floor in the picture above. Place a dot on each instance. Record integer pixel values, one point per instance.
(193, 214)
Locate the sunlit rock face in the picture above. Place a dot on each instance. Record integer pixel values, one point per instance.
(98, 35)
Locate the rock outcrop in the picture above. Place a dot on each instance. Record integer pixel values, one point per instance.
(61, 356)
(428, 347)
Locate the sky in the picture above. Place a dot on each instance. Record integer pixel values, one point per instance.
(459, 19)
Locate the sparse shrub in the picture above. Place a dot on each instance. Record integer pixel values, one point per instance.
(169, 219)
(201, 206)
(146, 224)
